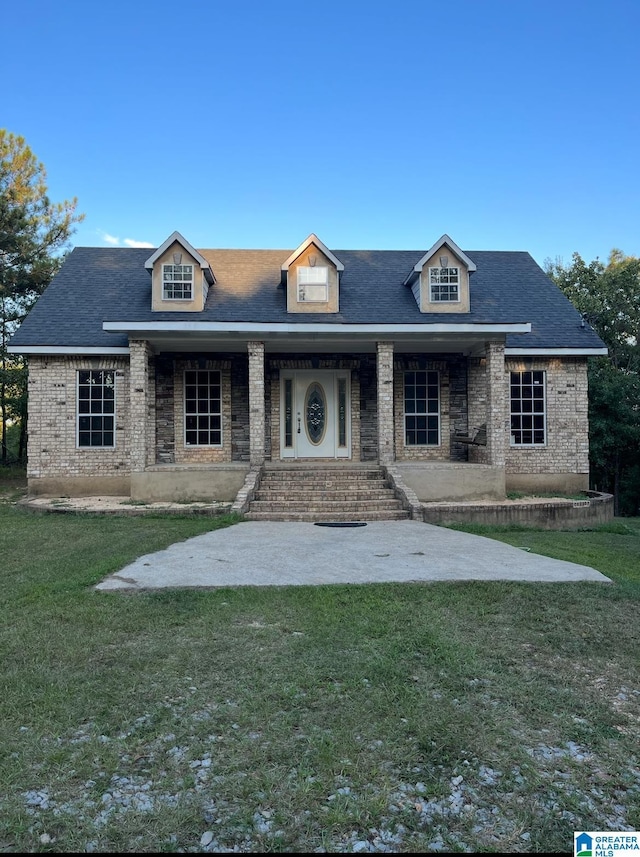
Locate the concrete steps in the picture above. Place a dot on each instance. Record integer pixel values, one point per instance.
(324, 494)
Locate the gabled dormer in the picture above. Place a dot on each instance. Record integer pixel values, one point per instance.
(440, 280)
(180, 277)
(312, 277)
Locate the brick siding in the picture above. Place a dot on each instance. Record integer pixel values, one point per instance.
(52, 438)
(567, 446)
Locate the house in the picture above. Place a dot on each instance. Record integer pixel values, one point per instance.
(174, 374)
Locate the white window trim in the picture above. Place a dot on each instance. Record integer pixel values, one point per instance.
(512, 443)
(315, 285)
(184, 413)
(405, 414)
(78, 414)
(165, 283)
(430, 284)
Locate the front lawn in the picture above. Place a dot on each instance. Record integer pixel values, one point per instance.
(398, 717)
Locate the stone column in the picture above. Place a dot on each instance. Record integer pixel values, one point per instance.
(386, 452)
(496, 403)
(139, 393)
(256, 403)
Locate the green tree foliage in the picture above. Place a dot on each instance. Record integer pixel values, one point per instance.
(34, 233)
(608, 296)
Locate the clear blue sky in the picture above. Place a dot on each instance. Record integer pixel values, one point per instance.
(509, 124)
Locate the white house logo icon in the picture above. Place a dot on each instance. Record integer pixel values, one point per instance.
(583, 845)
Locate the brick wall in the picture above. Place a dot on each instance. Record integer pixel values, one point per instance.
(165, 417)
(452, 371)
(257, 372)
(52, 441)
(240, 408)
(567, 447)
(53, 451)
(368, 409)
(458, 405)
(201, 454)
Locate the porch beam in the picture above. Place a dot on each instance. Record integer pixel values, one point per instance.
(256, 403)
(386, 451)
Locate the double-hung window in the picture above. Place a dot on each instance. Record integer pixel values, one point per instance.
(528, 408)
(177, 282)
(421, 408)
(313, 284)
(444, 285)
(96, 407)
(202, 407)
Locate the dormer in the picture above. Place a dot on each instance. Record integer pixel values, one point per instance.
(180, 277)
(312, 276)
(440, 280)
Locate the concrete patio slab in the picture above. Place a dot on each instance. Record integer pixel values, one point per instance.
(265, 553)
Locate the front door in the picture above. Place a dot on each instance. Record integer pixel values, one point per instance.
(315, 414)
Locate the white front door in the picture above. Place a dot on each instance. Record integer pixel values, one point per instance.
(315, 418)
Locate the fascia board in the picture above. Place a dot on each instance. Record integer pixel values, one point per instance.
(310, 328)
(556, 352)
(66, 349)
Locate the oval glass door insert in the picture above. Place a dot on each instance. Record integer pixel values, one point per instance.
(315, 411)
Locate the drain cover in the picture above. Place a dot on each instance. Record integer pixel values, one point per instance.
(340, 524)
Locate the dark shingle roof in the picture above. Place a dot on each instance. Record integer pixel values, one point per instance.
(112, 284)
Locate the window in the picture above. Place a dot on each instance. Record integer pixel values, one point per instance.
(528, 416)
(202, 408)
(444, 284)
(288, 413)
(421, 408)
(313, 284)
(96, 407)
(177, 282)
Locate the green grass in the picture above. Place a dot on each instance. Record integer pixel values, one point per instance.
(319, 716)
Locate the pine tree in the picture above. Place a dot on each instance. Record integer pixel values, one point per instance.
(34, 234)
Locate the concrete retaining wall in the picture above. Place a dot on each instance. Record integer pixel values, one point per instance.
(452, 481)
(596, 508)
(196, 483)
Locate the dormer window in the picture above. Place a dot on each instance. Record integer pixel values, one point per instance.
(444, 284)
(177, 282)
(440, 279)
(313, 284)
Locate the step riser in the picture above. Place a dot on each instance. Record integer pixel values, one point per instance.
(359, 483)
(324, 495)
(302, 496)
(319, 477)
(328, 506)
(311, 518)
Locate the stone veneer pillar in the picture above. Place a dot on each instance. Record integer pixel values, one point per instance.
(385, 402)
(139, 401)
(496, 403)
(256, 403)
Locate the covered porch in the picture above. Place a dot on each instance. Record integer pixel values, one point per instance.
(401, 402)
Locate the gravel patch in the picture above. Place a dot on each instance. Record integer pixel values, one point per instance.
(474, 805)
